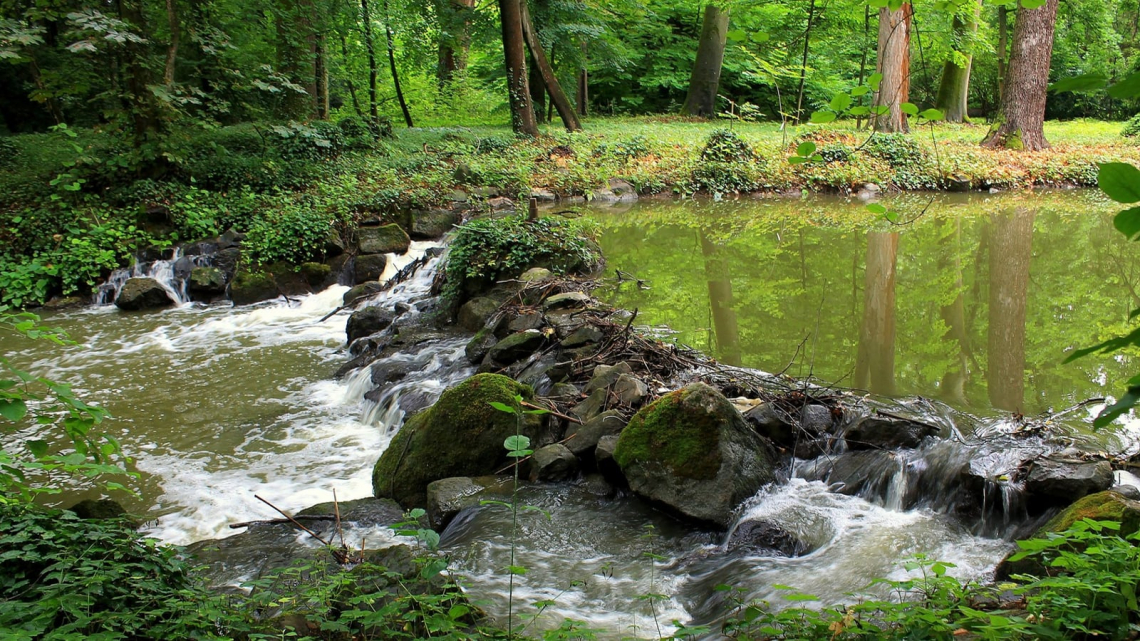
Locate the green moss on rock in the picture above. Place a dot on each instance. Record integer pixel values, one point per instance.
(1102, 506)
(461, 435)
(678, 434)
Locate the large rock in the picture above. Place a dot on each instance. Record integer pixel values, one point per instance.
(1061, 482)
(473, 314)
(142, 293)
(448, 497)
(479, 345)
(516, 347)
(370, 267)
(276, 279)
(207, 280)
(583, 439)
(887, 433)
(367, 321)
(461, 435)
(388, 239)
(432, 224)
(693, 453)
(764, 538)
(606, 376)
(362, 290)
(568, 300)
(553, 463)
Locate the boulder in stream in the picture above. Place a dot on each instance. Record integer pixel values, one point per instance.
(473, 315)
(461, 435)
(428, 225)
(553, 463)
(367, 321)
(516, 347)
(448, 497)
(207, 280)
(1061, 482)
(883, 432)
(583, 439)
(479, 345)
(692, 452)
(388, 239)
(370, 267)
(142, 293)
(764, 538)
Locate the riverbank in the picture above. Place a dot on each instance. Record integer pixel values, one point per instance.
(72, 212)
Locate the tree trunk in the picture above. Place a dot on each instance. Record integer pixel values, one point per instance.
(721, 303)
(954, 91)
(1011, 248)
(292, 59)
(803, 64)
(875, 362)
(172, 48)
(705, 79)
(321, 76)
(514, 52)
(392, 65)
(537, 91)
(1022, 119)
(894, 64)
(557, 96)
(373, 70)
(348, 78)
(455, 37)
(1003, 49)
(583, 86)
(953, 384)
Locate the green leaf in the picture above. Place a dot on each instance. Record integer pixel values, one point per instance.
(457, 612)
(1120, 181)
(1083, 82)
(502, 407)
(516, 570)
(840, 102)
(932, 115)
(416, 513)
(1118, 409)
(1032, 4)
(892, 217)
(797, 160)
(909, 108)
(861, 90)
(1127, 222)
(516, 442)
(874, 81)
(433, 567)
(859, 111)
(37, 447)
(1127, 88)
(13, 409)
(821, 117)
(876, 208)
(737, 35)
(760, 37)
(806, 149)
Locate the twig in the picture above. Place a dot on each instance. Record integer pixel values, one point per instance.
(552, 412)
(314, 517)
(339, 555)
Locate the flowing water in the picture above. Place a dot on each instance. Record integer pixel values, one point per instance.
(964, 316)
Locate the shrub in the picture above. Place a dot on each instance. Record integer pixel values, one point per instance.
(494, 144)
(8, 153)
(727, 147)
(1132, 127)
(294, 232)
(837, 152)
(316, 141)
(898, 150)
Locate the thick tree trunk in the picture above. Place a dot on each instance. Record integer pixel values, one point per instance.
(875, 362)
(722, 304)
(292, 59)
(537, 91)
(392, 65)
(583, 86)
(1021, 122)
(455, 37)
(514, 51)
(1011, 248)
(894, 64)
(954, 90)
(373, 70)
(803, 63)
(1003, 49)
(172, 48)
(953, 384)
(705, 79)
(557, 96)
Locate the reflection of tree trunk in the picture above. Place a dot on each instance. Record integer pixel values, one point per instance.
(875, 362)
(721, 303)
(954, 315)
(1011, 247)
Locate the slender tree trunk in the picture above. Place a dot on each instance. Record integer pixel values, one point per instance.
(455, 37)
(1003, 49)
(514, 52)
(292, 58)
(722, 304)
(321, 76)
(51, 103)
(705, 79)
(953, 384)
(954, 90)
(803, 63)
(373, 70)
(557, 96)
(537, 91)
(1011, 249)
(392, 65)
(172, 48)
(863, 59)
(894, 64)
(583, 86)
(875, 362)
(1022, 119)
(348, 78)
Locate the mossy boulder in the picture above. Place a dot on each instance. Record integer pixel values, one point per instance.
(207, 280)
(386, 239)
(142, 293)
(692, 453)
(461, 435)
(367, 321)
(370, 267)
(253, 285)
(427, 225)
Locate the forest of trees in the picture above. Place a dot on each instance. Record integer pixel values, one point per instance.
(145, 68)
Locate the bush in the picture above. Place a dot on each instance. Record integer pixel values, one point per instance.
(624, 150)
(294, 232)
(727, 147)
(1132, 127)
(837, 152)
(316, 141)
(898, 150)
(494, 144)
(8, 153)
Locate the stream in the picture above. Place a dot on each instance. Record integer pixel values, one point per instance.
(963, 316)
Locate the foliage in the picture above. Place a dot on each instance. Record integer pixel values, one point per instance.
(1132, 127)
(898, 150)
(295, 233)
(726, 146)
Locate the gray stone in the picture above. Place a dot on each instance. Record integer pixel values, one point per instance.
(208, 280)
(816, 419)
(457, 196)
(567, 300)
(383, 240)
(1066, 481)
(543, 195)
(230, 238)
(764, 538)
(583, 439)
(552, 464)
(334, 244)
(473, 315)
(501, 204)
(516, 347)
(142, 293)
(478, 347)
(585, 335)
(433, 224)
(362, 290)
(630, 390)
(597, 485)
(604, 458)
(563, 391)
(594, 404)
(887, 433)
(450, 496)
(370, 267)
(605, 376)
(772, 423)
(367, 321)
(535, 274)
(622, 190)
(523, 322)
(227, 260)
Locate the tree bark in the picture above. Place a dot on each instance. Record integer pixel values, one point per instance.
(1003, 49)
(292, 58)
(953, 384)
(172, 48)
(1011, 250)
(894, 64)
(705, 79)
(954, 90)
(373, 70)
(514, 52)
(803, 63)
(875, 361)
(392, 66)
(455, 37)
(537, 91)
(722, 304)
(557, 96)
(1022, 118)
(583, 86)
(321, 76)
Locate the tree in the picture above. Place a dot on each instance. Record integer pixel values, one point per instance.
(955, 86)
(705, 79)
(557, 96)
(514, 51)
(373, 67)
(392, 65)
(1022, 118)
(894, 66)
(454, 37)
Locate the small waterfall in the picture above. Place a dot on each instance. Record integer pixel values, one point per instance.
(172, 273)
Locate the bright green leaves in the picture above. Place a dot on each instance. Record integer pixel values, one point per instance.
(880, 210)
(1127, 222)
(737, 35)
(13, 409)
(805, 153)
(503, 407)
(517, 446)
(1120, 182)
(1079, 84)
(893, 5)
(840, 102)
